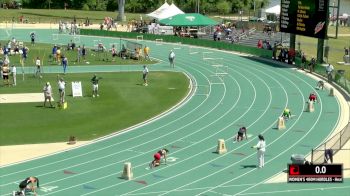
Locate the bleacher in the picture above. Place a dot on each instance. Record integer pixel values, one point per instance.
(252, 36)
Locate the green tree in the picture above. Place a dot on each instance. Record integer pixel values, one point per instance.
(224, 7)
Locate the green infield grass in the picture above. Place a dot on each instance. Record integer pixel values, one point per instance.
(123, 102)
(43, 51)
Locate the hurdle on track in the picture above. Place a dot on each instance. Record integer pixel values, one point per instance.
(96, 42)
(217, 78)
(220, 69)
(159, 41)
(115, 45)
(178, 48)
(193, 50)
(207, 55)
(76, 38)
(55, 37)
(139, 38)
(202, 90)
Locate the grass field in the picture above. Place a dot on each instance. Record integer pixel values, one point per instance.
(336, 51)
(43, 51)
(55, 15)
(123, 102)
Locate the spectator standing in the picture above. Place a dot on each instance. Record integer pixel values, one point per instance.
(329, 71)
(83, 52)
(64, 64)
(145, 75)
(38, 66)
(95, 81)
(32, 38)
(61, 89)
(146, 52)
(303, 60)
(47, 93)
(312, 64)
(14, 75)
(114, 52)
(172, 59)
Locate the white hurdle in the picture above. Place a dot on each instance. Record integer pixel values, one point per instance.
(192, 50)
(76, 38)
(178, 48)
(139, 38)
(55, 37)
(159, 41)
(206, 55)
(202, 90)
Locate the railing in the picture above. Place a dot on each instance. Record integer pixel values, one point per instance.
(190, 41)
(335, 143)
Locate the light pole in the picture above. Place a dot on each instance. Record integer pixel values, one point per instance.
(333, 18)
(197, 6)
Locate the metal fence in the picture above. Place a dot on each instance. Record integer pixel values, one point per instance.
(335, 143)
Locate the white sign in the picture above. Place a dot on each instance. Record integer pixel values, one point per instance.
(77, 89)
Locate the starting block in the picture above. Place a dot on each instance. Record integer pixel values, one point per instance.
(127, 173)
(221, 149)
(310, 106)
(281, 123)
(331, 92)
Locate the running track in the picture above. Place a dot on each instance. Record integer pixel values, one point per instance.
(253, 94)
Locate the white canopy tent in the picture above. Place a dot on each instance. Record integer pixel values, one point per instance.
(158, 11)
(167, 12)
(274, 10)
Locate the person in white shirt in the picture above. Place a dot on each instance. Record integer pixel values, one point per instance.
(38, 66)
(329, 71)
(144, 75)
(47, 93)
(172, 58)
(61, 89)
(261, 150)
(14, 73)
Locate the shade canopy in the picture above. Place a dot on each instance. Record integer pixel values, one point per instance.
(158, 11)
(188, 20)
(165, 11)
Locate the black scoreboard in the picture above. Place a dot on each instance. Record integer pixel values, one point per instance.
(315, 173)
(304, 17)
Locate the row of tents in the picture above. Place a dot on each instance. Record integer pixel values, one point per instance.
(171, 15)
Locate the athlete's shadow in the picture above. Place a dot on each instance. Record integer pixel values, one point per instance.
(248, 166)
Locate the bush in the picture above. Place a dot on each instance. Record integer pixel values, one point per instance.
(85, 7)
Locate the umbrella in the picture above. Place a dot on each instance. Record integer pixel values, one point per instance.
(188, 20)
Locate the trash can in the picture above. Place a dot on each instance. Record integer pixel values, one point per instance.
(298, 159)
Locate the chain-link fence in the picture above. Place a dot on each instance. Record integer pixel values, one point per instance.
(335, 143)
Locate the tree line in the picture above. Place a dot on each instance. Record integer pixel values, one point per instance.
(144, 6)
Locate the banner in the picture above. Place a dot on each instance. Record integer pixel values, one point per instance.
(77, 89)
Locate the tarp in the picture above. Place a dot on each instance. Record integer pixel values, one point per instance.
(274, 10)
(169, 11)
(193, 19)
(158, 11)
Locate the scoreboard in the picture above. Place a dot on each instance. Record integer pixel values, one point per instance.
(315, 173)
(304, 17)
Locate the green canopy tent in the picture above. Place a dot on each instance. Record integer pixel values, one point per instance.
(188, 20)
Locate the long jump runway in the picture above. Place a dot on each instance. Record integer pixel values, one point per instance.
(251, 94)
